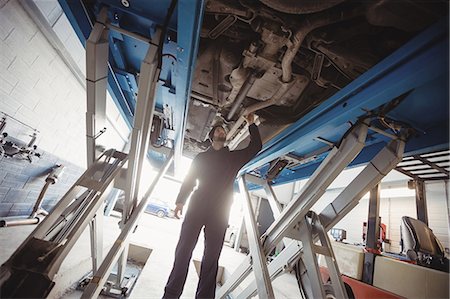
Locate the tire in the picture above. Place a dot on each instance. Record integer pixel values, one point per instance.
(329, 292)
(161, 214)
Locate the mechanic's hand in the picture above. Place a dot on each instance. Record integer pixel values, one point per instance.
(250, 118)
(178, 208)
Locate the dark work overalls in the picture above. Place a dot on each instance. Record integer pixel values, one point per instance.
(209, 207)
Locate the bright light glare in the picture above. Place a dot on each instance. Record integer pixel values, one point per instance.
(183, 168)
(167, 190)
(394, 192)
(147, 177)
(236, 211)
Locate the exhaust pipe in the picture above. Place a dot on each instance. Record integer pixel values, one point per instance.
(242, 94)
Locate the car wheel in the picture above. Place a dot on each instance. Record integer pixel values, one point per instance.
(161, 214)
(329, 292)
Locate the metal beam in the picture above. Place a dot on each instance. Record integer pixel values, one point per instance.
(94, 288)
(239, 273)
(336, 161)
(329, 169)
(97, 48)
(263, 282)
(431, 164)
(145, 106)
(367, 179)
(190, 15)
(140, 135)
(372, 234)
(373, 220)
(378, 167)
(421, 201)
(273, 201)
(309, 230)
(285, 261)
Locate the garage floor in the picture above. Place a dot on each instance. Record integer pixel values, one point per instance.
(159, 234)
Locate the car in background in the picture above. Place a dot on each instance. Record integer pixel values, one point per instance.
(159, 208)
(155, 207)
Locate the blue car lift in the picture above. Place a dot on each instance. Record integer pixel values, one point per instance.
(409, 89)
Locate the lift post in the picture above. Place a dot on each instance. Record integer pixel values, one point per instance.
(421, 201)
(372, 234)
(258, 257)
(97, 47)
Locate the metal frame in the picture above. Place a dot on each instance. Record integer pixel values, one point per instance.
(421, 201)
(297, 209)
(42, 253)
(97, 47)
(287, 224)
(264, 284)
(422, 168)
(120, 246)
(139, 143)
(309, 230)
(372, 234)
(140, 135)
(96, 81)
(329, 169)
(426, 167)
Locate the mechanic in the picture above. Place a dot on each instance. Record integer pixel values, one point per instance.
(209, 207)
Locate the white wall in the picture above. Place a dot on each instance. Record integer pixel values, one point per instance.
(37, 87)
(438, 211)
(391, 211)
(395, 201)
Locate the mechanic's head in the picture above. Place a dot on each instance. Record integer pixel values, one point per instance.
(218, 136)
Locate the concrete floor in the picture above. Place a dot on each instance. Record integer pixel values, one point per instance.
(159, 234)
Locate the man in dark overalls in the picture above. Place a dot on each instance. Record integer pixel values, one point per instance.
(209, 207)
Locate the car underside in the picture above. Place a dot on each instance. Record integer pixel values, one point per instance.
(280, 59)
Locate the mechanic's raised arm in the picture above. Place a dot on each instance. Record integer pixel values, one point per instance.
(255, 145)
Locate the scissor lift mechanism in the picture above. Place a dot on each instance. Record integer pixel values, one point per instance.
(299, 228)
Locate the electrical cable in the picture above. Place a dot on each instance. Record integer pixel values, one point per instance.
(164, 31)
